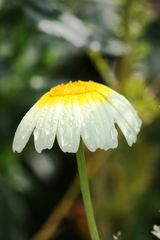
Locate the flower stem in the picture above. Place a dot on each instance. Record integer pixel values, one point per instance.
(86, 192)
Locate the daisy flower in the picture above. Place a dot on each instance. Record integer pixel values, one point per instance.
(75, 110)
(79, 112)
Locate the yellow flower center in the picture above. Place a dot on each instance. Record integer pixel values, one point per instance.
(73, 88)
(80, 91)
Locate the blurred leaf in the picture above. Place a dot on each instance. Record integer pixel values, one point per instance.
(66, 25)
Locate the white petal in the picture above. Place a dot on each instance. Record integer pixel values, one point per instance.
(111, 140)
(45, 130)
(125, 116)
(68, 132)
(25, 129)
(92, 127)
(88, 128)
(127, 110)
(99, 126)
(107, 133)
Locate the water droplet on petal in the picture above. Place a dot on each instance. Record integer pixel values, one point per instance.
(130, 136)
(36, 135)
(23, 136)
(113, 134)
(47, 132)
(62, 122)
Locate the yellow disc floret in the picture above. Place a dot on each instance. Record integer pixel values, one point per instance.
(71, 90)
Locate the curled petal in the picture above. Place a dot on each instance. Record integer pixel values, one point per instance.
(25, 129)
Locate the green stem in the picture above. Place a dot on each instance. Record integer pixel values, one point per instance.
(86, 192)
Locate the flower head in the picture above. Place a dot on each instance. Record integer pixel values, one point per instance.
(78, 109)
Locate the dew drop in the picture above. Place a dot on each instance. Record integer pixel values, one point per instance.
(25, 133)
(36, 135)
(54, 121)
(50, 120)
(96, 130)
(130, 136)
(62, 122)
(23, 136)
(71, 124)
(112, 134)
(83, 124)
(86, 136)
(47, 132)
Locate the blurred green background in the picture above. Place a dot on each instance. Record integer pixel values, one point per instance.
(44, 43)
